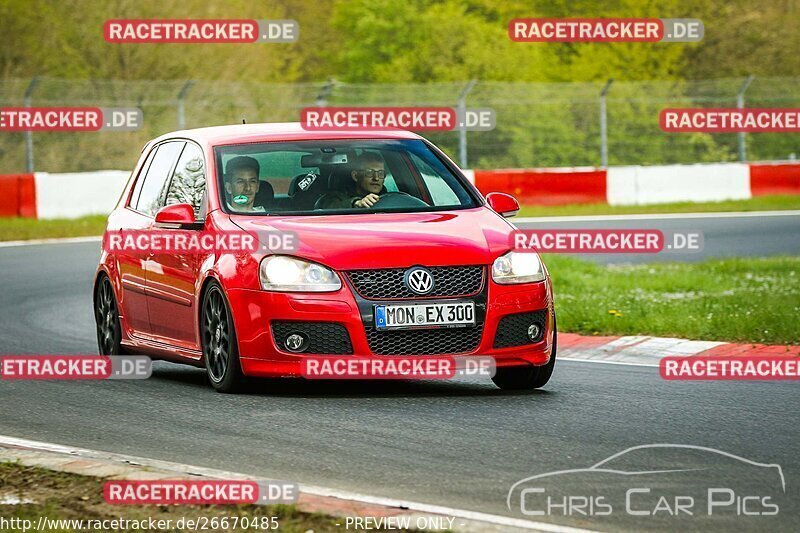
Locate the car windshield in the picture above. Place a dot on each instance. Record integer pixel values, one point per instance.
(352, 176)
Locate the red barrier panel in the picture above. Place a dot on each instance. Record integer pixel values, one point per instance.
(27, 196)
(9, 196)
(546, 186)
(774, 179)
(18, 196)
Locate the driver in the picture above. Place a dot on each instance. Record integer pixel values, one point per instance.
(368, 174)
(242, 183)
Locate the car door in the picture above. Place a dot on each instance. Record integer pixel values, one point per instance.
(133, 263)
(130, 262)
(172, 274)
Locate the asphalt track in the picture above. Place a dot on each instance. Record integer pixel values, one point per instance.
(460, 444)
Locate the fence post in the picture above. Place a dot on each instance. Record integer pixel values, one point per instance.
(740, 105)
(29, 133)
(462, 128)
(181, 98)
(325, 92)
(604, 124)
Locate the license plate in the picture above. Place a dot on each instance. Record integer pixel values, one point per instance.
(456, 314)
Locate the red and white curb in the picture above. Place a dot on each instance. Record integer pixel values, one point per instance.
(648, 351)
(311, 499)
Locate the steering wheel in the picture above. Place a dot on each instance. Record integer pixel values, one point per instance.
(398, 199)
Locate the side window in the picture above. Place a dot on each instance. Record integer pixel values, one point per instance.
(189, 179)
(441, 193)
(155, 183)
(389, 183)
(137, 188)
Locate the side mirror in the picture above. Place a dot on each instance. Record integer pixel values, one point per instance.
(181, 215)
(503, 204)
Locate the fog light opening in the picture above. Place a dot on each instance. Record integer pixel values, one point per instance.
(534, 331)
(296, 342)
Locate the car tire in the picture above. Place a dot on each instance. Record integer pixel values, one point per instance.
(527, 377)
(106, 317)
(219, 344)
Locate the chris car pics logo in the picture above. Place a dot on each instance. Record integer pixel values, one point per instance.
(676, 483)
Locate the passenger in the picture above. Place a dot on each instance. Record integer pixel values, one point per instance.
(368, 175)
(242, 183)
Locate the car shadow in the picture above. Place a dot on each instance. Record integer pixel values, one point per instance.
(298, 387)
(346, 388)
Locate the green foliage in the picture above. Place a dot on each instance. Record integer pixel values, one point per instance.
(388, 42)
(391, 41)
(547, 104)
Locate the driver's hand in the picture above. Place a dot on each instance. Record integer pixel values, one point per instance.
(368, 201)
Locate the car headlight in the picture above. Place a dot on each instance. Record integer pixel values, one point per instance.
(288, 274)
(518, 267)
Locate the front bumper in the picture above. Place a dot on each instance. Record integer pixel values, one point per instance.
(254, 312)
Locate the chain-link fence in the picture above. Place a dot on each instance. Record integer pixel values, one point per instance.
(538, 124)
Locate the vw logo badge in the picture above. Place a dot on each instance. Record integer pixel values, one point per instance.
(419, 280)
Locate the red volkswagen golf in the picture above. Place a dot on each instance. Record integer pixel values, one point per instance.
(368, 244)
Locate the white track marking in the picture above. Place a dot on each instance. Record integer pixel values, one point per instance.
(601, 361)
(185, 469)
(65, 240)
(656, 216)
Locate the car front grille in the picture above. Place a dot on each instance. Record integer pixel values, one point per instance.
(512, 330)
(323, 337)
(424, 341)
(387, 284)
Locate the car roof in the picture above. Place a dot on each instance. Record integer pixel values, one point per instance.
(283, 131)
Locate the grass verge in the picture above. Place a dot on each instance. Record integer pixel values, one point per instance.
(19, 229)
(754, 300)
(63, 496)
(760, 203)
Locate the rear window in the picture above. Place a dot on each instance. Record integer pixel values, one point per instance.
(353, 176)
